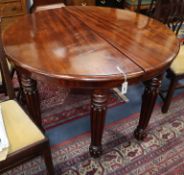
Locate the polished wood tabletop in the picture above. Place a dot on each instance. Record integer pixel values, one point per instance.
(88, 44)
(90, 47)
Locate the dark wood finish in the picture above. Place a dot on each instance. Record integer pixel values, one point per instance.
(149, 97)
(169, 94)
(98, 112)
(29, 87)
(139, 46)
(31, 151)
(174, 84)
(82, 47)
(48, 158)
(70, 69)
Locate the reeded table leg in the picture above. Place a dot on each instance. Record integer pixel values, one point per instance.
(148, 101)
(32, 99)
(98, 112)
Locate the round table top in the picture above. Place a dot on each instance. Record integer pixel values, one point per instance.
(91, 44)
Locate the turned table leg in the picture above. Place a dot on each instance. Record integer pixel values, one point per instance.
(29, 87)
(98, 112)
(148, 101)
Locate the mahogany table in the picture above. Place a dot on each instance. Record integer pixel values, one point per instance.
(81, 47)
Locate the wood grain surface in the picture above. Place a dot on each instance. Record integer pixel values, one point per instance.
(88, 44)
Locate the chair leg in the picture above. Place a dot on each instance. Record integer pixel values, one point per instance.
(48, 159)
(3, 86)
(167, 100)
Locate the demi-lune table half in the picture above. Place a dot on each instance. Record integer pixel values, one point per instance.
(93, 48)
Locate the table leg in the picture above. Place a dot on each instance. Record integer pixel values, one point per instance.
(148, 101)
(32, 99)
(98, 112)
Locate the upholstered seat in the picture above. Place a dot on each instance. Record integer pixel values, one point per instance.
(26, 141)
(178, 64)
(21, 131)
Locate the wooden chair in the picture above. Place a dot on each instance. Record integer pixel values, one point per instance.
(149, 9)
(171, 13)
(26, 140)
(140, 5)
